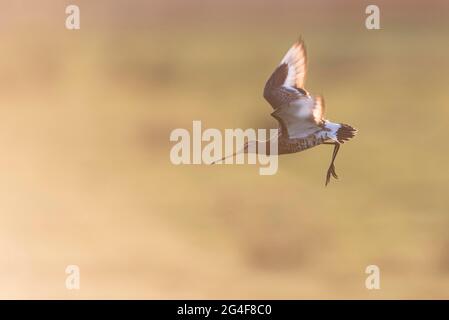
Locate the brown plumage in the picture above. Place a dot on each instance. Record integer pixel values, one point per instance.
(300, 115)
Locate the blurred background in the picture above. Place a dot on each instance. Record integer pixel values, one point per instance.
(86, 180)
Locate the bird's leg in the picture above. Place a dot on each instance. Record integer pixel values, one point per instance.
(331, 170)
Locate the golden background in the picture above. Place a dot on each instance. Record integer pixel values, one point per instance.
(85, 118)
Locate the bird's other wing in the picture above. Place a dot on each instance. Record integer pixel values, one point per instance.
(318, 110)
(301, 118)
(287, 81)
(296, 59)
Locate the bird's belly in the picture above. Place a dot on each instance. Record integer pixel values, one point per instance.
(301, 144)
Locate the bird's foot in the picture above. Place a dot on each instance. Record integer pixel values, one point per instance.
(331, 171)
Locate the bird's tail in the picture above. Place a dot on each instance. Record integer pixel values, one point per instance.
(345, 132)
(339, 132)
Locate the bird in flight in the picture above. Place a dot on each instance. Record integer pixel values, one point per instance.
(300, 115)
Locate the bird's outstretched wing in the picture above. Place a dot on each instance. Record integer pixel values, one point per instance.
(302, 117)
(287, 82)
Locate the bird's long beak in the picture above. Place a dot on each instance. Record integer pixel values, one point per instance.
(225, 157)
(245, 148)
